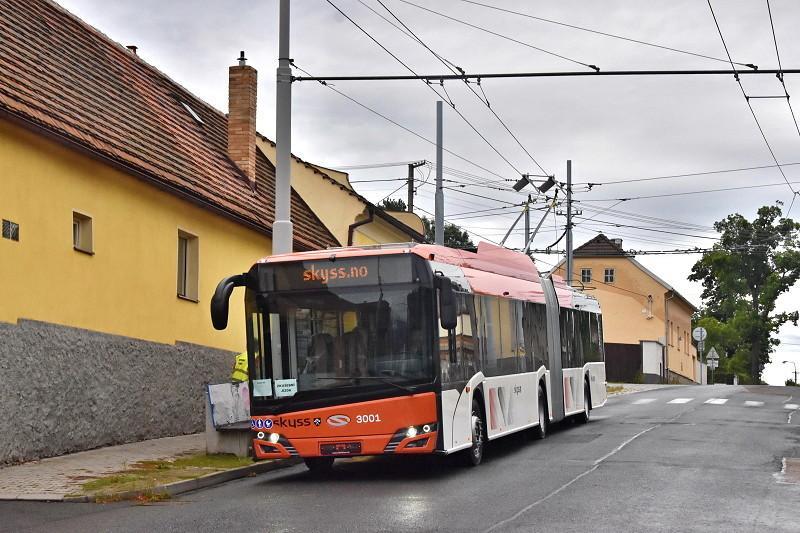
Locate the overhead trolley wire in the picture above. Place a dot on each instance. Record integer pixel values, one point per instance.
(459, 69)
(598, 182)
(502, 36)
(687, 193)
(780, 75)
(429, 85)
(606, 34)
(752, 111)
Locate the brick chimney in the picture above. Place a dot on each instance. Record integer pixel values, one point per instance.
(242, 117)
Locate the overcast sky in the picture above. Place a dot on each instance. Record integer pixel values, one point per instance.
(611, 128)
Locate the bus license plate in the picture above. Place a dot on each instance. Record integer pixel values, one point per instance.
(340, 448)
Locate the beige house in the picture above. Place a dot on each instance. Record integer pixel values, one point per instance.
(646, 322)
(350, 217)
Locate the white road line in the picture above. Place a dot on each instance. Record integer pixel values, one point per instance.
(717, 401)
(594, 467)
(791, 406)
(751, 403)
(681, 400)
(641, 401)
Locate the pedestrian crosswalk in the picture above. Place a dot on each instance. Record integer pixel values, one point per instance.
(712, 401)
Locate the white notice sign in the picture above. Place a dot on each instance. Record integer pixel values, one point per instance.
(262, 387)
(285, 387)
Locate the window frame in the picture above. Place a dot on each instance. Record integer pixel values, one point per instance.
(609, 275)
(10, 230)
(584, 277)
(83, 238)
(188, 266)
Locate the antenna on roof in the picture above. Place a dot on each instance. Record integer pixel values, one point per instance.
(242, 59)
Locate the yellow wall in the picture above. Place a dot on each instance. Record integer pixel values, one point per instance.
(336, 206)
(625, 309)
(128, 287)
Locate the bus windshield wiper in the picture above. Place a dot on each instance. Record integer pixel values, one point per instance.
(376, 378)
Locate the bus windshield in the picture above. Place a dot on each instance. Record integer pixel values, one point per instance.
(339, 338)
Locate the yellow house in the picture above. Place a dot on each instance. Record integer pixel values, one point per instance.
(646, 322)
(124, 200)
(350, 217)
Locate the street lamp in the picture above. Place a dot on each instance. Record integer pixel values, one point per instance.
(795, 369)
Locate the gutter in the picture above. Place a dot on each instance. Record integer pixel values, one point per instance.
(352, 228)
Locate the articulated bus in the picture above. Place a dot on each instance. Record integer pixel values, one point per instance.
(411, 349)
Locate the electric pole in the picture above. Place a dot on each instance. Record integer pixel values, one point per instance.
(411, 167)
(569, 222)
(282, 226)
(528, 220)
(439, 214)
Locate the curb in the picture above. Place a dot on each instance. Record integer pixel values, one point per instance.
(180, 487)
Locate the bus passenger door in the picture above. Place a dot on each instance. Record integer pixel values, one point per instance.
(554, 350)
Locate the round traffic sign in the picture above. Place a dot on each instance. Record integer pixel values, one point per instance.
(699, 334)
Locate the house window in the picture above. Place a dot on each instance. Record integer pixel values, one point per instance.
(10, 230)
(82, 233)
(187, 266)
(586, 275)
(609, 275)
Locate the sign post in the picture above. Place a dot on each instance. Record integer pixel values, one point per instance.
(699, 334)
(713, 361)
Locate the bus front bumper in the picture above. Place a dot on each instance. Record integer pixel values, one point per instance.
(350, 446)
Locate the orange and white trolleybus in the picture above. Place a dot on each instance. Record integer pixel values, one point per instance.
(411, 349)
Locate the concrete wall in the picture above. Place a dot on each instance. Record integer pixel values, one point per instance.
(65, 389)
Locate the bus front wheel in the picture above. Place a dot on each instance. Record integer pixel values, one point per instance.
(475, 453)
(541, 430)
(319, 465)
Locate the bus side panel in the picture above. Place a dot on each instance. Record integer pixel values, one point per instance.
(597, 383)
(511, 403)
(573, 390)
(449, 404)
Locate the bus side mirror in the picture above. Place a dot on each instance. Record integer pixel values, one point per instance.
(221, 298)
(448, 307)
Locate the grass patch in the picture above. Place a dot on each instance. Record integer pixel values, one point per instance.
(614, 389)
(147, 475)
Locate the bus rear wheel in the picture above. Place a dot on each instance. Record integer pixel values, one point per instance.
(319, 465)
(541, 430)
(475, 453)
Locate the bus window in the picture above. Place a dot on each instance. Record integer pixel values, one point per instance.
(507, 358)
(490, 316)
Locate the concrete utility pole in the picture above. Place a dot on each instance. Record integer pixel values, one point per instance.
(439, 215)
(569, 222)
(411, 167)
(528, 220)
(282, 227)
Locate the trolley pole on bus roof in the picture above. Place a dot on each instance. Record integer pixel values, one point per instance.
(282, 226)
(439, 214)
(569, 222)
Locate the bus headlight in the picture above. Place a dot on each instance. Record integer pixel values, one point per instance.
(426, 428)
(411, 432)
(260, 435)
(274, 437)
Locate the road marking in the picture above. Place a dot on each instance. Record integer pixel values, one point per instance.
(791, 406)
(641, 401)
(681, 400)
(751, 403)
(594, 467)
(717, 401)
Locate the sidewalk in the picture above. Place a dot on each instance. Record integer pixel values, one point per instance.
(54, 478)
(628, 388)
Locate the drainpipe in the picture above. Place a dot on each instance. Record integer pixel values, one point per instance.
(351, 230)
(666, 336)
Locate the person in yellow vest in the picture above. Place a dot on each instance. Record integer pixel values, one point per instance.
(239, 373)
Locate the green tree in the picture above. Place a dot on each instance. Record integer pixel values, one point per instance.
(752, 264)
(394, 204)
(454, 237)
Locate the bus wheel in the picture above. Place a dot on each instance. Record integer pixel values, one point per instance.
(319, 465)
(541, 430)
(587, 400)
(475, 455)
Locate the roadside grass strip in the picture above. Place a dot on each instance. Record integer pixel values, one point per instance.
(147, 475)
(752, 403)
(717, 401)
(681, 400)
(642, 401)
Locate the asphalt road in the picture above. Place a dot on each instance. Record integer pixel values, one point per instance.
(641, 464)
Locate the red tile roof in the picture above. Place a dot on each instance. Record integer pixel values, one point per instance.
(64, 77)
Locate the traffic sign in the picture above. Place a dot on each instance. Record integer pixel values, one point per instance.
(713, 363)
(712, 354)
(699, 334)
(701, 346)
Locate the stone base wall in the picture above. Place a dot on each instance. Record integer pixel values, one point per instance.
(65, 389)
